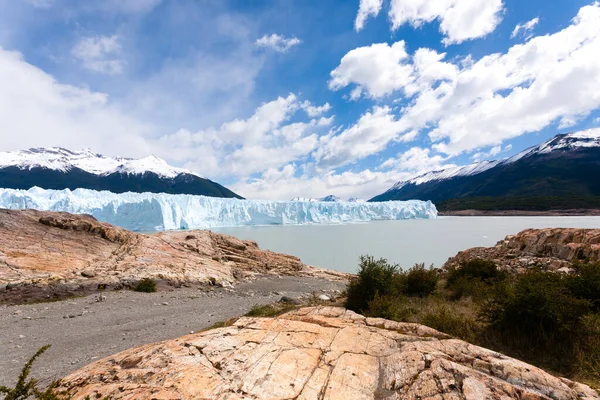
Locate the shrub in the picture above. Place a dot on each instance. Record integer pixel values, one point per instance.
(585, 283)
(420, 281)
(146, 285)
(447, 320)
(388, 307)
(473, 278)
(269, 310)
(537, 316)
(374, 277)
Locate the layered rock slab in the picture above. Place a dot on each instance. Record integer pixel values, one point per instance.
(317, 353)
(48, 253)
(553, 249)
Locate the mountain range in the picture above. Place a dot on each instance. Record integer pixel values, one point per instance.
(59, 168)
(561, 173)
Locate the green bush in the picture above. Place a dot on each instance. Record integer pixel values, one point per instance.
(375, 277)
(388, 307)
(447, 320)
(585, 283)
(537, 316)
(146, 285)
(420, 281)
(473, 278)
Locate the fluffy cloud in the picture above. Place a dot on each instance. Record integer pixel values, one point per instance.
(416, 161)
(36, 110)
(367, 8)
(243, 147)
(525, 29)
(460, 20)
(371, 134)
(379, 69)
(315, 111)
(470, 104)
(97, 54)
(277, 42)
(286, 183)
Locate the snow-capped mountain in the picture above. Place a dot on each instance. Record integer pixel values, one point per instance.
(59, 159)
(59, 168)
(566, 142)
(557, 167)
(328, 199)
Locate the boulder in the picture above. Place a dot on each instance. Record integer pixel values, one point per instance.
(317, 353)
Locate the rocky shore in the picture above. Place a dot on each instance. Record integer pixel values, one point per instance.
(49, 256)
(317, 353)
(553, 249)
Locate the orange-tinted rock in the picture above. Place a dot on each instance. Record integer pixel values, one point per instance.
(317, 353)
(554, 249)
(45, 253)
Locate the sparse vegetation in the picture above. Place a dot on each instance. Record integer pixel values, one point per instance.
(548, 319)
(270, 310)
(146, 285)
(27, 388)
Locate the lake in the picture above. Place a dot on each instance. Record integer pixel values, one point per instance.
(406, 242)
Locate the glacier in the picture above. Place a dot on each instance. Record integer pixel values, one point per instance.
(160, 211)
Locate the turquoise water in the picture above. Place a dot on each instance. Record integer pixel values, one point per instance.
(405, 242)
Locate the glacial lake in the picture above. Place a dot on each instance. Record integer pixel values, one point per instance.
(404, 242)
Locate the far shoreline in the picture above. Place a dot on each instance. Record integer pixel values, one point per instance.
(521, 213)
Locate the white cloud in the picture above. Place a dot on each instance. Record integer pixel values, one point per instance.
(416, 161)
(379, 69)
(487, 155)
(315, 111)
(470, 104)
(367, 8)
(243, 147)
(277, 42)
(371, 134)
(460, 20)
(97, 54)
(285, 184)
(525, 29)
(36, 110)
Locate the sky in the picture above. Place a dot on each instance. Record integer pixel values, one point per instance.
(283, 98)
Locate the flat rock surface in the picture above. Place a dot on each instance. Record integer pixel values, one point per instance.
(48, 255)
(317, 353)
(554, 249)
(83, 330)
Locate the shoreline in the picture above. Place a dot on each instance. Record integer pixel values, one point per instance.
(521, 213)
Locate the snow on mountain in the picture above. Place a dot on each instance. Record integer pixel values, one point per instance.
(570, 141)
(151, 211)
(59, 159)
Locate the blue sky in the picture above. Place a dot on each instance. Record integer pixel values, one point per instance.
(278, 99)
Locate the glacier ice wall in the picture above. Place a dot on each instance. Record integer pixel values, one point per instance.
(159, 211)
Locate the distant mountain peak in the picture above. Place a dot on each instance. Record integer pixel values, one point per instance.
(561, 142)
(558, 170)
(61, 159)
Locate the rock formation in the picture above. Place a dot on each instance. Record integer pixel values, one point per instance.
(46, 254)
(317, 353)
(554, 249)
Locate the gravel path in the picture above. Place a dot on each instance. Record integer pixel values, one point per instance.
(83, 330)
